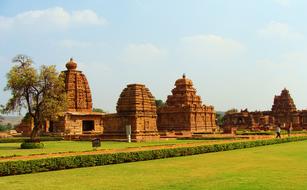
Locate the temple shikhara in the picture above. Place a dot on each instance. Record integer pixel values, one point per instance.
(135, 107)
(184, 111)
(283, 113)
(183, 114)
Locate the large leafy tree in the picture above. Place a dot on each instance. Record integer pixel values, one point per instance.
(41, 92)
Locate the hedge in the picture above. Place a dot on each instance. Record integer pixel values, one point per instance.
(60, 163)
(22, 139)
(211, 138)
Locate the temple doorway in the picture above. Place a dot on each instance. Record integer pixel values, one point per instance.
(88, 125)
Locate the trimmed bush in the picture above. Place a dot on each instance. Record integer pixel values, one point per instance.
(60, 163)
(31, 145)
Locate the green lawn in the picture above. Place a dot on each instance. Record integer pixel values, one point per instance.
(9, 149)
(282, 166)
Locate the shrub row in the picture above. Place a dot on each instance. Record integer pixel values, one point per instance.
(60, 163)
(22, 139)
(284, 132)
(210, 138)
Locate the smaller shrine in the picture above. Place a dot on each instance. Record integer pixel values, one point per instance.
(184, 111)
(135, 108)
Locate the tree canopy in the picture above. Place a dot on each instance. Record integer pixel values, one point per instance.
(41, 92)
(98, 110)
(159, 103)
(232, 110)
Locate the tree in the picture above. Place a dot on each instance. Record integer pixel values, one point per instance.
(159, 103)
(98, 110)
(233, 110)
(41, 92)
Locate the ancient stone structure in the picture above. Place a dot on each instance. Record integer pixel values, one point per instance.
(184, 112)
(283, 113)
(79, 118)
(78, 92)
(135, 107)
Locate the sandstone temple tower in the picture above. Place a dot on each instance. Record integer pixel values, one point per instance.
(184, 111)
(284, 110)
(77, 89)
(135, 107)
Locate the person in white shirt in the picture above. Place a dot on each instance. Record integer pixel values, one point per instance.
(278, 131)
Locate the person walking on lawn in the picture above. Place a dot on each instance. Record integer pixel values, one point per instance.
(278, 131)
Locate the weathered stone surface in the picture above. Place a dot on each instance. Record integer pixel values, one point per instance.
(135, 107)
(79, 118)
(283, 103)
(283, 113)
(77, 89)
(184, 110)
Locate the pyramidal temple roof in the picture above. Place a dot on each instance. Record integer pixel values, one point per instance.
(79, 98)
(283, 102)
(183, 94)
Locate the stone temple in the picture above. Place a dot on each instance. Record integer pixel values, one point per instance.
(79, 118)
(283, 113)
(184, 111)
(136, 107)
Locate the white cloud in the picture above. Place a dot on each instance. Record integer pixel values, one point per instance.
(142, 53)
(284, 3)
(52, 17)
(280, 31)
(211, 47)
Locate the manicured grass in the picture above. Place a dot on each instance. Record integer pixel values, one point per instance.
(10, 149)
(281, 166)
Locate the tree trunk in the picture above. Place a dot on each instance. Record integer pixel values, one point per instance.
(34, 133)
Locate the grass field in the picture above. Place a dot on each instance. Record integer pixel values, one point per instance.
(282, 166)
(10, 149)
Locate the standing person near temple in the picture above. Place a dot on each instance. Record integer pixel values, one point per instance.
(289, 129)
(278, 131)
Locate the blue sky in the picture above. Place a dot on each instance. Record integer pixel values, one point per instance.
(238, 53)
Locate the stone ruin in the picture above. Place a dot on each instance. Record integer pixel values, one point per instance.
(283, 113)
(135, 107)
(184, 112)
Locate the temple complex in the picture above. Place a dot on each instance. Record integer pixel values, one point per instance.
(184, 112)
(136, 108)
(283, 113)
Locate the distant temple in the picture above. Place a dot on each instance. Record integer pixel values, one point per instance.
(283, 113)
(184, 111)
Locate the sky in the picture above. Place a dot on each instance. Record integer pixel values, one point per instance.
(238, 53)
